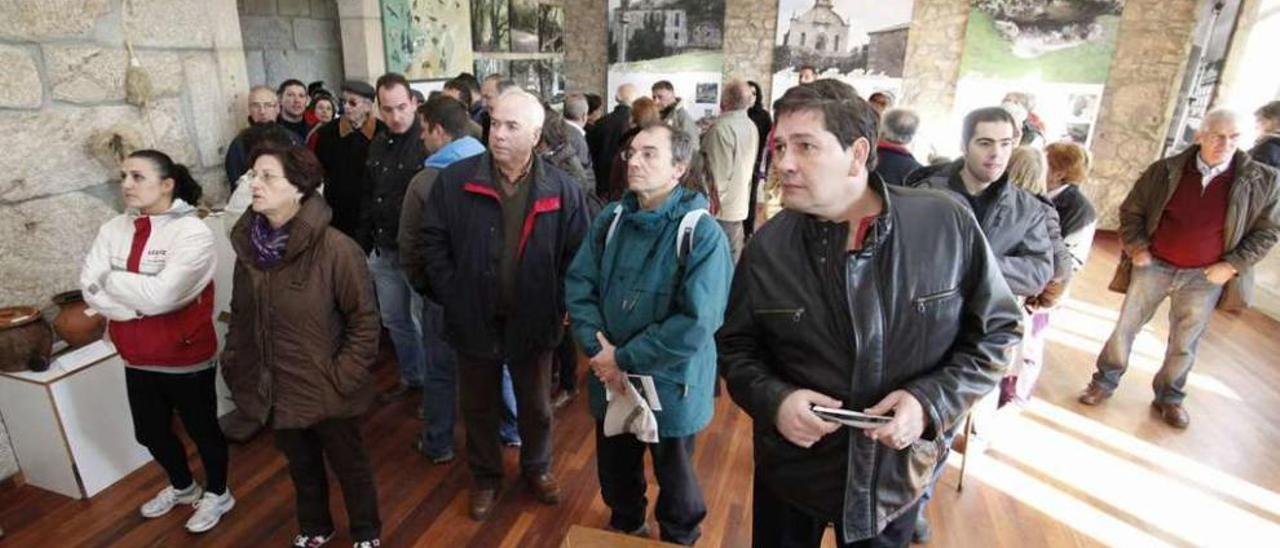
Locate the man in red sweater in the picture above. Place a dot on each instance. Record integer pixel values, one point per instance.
(1191, 229)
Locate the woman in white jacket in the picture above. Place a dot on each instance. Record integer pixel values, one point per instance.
(150, 273)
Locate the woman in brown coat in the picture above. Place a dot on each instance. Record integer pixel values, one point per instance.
(303, 335)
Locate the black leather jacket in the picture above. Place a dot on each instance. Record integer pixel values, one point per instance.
(926, 310)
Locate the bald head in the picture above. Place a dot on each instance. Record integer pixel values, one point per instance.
(516, 125)
(737, 95)
(264, 106)
(627, 94)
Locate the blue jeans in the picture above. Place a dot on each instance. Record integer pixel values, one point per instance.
(400, 307)
(440, 389)
(1192, 300)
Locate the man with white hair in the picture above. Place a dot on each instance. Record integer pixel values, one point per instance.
(730, 151)
(1191, 230)
(498, 232)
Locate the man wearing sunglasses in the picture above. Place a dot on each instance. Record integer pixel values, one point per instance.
(342, 148)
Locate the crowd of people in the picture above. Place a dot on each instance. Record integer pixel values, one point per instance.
(856, 303)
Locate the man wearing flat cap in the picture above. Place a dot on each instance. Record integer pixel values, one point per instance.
(341, 146)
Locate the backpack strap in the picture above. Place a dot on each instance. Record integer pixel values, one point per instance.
(684, 234)
(613, 227)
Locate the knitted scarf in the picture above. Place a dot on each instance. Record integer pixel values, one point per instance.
(268, 243)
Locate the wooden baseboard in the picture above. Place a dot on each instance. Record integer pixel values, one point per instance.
(13, 482)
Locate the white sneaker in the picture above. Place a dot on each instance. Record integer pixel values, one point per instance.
(209, 510)
(169, 497)
(311, 541)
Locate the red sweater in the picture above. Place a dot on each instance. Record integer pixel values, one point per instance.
(1190, 234)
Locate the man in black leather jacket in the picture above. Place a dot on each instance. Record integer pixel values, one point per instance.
(862, 296)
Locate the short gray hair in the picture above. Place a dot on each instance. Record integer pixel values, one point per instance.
(899, 125)
(1221, 115)
(533, 105)
(681, 142)
(575, 107)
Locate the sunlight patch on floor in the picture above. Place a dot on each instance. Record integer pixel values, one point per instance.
(1161, 501)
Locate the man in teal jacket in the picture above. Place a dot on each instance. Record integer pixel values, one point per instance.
(641, 307)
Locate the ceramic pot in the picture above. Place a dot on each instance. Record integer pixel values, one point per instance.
(25, 339)
(72, 324)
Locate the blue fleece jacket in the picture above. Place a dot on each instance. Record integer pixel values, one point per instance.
(459, 149)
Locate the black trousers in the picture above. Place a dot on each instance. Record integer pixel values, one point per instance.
(153, 399)
(480, 392)
(620, 463)
(567, 364)
(776, 524)
(339, 442)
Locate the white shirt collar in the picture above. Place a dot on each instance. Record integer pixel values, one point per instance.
(1208, 172)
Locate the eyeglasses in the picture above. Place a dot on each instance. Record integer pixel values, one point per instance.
(647, 155)
(264, 176)
(352, 102)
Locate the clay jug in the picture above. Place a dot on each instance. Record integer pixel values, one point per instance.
(25, 339)
(72, 325)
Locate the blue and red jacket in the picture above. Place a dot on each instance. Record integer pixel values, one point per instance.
(462, 239)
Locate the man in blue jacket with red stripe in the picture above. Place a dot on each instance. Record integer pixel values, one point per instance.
(497, 235)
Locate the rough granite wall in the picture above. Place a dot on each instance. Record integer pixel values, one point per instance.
(586, 31)
(291, 39)
(749, 29)
(1151, 54)
(748, 43)
(935, 46)
(64, 64)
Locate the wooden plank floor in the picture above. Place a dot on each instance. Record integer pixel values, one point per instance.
(1054, 474)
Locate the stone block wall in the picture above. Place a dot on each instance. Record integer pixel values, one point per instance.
(935, 46)
(748, 43)
(749, 29)
(586, 53)
(64, 87)
(292, 39)
(1151, 54)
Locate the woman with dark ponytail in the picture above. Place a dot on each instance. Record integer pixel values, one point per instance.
(150, 273)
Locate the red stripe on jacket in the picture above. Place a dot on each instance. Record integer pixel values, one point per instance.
(540, 206)
(180, 338)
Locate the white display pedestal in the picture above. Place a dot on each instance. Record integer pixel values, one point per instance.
(70, 426)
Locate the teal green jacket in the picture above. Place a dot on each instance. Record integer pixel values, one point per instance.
(661, 326)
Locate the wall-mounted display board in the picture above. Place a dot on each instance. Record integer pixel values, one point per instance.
(427, 39)
(430, 41)
(681, 41)
(1059, 52)
(860, 42)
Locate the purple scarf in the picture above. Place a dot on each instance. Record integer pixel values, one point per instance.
(268, 243)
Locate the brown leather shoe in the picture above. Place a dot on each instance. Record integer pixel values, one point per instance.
(482, 501)
(544, 488)
(1094, 395)
(1173, 414)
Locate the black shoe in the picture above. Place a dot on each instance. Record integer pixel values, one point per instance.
(922, 531)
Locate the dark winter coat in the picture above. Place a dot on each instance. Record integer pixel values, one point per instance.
(303, 334)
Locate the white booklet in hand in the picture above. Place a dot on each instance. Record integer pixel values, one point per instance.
(850, 418)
